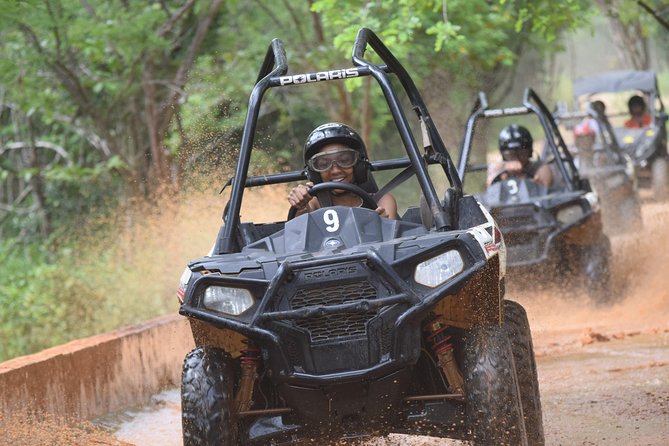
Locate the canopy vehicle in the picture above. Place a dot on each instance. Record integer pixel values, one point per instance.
(340, 323)
(647, 145)
(606, 166)
(551, 232)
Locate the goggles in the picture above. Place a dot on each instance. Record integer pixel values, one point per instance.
(345, 159)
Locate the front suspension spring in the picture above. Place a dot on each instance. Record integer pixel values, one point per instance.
(249, 360)
(440, 342)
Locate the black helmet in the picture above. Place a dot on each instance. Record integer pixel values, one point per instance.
(335, 132)
(515, 137)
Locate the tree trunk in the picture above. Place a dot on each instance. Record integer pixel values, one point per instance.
(157, 165)
(628, 38)
(36, 183)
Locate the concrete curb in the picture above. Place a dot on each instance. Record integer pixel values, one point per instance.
(90, 377)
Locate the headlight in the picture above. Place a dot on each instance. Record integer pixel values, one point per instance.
(233, 301)
(569, 214)
(439, 269)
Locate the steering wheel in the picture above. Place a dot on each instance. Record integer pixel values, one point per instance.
(367, 201)
(497, 178)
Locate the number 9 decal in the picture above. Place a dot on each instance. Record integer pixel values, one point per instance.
(331, 219)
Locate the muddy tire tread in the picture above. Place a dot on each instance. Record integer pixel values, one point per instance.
(492, 408)
(206, 397)
(517, 327)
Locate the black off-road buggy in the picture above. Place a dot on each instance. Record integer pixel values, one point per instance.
(647, 146)
(342, 324)
(551, 233)
(606, 166)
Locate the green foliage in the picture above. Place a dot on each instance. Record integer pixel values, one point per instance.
(79, 283)
(43, 303)
(470, 35)
(548, 18)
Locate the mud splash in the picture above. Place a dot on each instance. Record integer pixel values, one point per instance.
(641, 285)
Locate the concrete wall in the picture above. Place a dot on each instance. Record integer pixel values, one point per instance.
(89, 377)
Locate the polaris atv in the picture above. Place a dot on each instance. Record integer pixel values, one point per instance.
(340, 323)
(647, 146)
(606, 166)
(549, 232)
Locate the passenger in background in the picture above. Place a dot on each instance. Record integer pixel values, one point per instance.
(639, 117)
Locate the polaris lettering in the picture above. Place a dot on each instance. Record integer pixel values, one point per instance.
(319, 76)
(331, 272)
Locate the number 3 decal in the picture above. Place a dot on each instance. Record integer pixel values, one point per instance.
(331, 219)
(513, 186)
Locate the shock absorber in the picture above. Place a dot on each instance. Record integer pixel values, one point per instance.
(249, 360)
(440, 342)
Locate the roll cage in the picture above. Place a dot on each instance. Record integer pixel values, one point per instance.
(619, 82)
(532, 104)
(605, 130)
(273, 74)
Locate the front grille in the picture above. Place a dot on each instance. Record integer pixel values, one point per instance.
(516, 220)
(515, 217)
(335, 326)
(521, 238)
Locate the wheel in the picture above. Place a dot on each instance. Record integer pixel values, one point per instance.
(518, 330)
(206, 398)
(493, 410)
(367, 200)
(596, 271)
(660, 179)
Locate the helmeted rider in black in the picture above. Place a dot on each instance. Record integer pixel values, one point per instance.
(334, 152)
(515, 143)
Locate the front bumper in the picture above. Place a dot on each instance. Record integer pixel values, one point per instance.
(338, 318)
(534, 237)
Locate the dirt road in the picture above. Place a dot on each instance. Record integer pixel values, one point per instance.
(597, 388)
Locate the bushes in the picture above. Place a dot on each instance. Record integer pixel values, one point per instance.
(43, 303)
(102, 272)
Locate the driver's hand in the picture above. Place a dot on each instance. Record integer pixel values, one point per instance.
(513, 167)
(299, 197)
(382, 212)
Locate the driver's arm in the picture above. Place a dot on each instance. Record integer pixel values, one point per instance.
(387, 207)
(511, 168)
(544, 176)
(300, 198)
(493, 171)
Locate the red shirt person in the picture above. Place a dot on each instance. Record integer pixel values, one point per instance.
(639, 118)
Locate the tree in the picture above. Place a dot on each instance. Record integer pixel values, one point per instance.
(633, 28)
(113, 72)
(467, 44)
